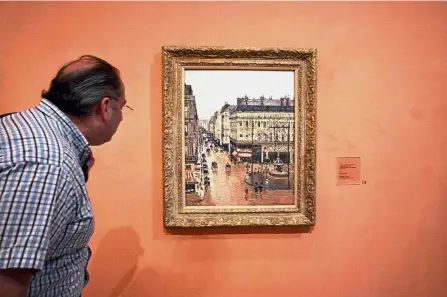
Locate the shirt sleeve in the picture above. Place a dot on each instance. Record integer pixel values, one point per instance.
(28, 193)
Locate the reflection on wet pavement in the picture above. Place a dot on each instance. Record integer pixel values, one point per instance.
(228, 188)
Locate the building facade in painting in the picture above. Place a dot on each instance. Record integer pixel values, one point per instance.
(191, 126)
(204, 124)
(262, 129)
(211, 125)
(225, 127)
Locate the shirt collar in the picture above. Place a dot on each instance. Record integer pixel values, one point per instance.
(74, 136)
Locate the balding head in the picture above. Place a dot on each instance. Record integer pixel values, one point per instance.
(81, 64)
(81, 84)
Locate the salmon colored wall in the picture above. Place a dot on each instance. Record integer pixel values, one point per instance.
(382, 95)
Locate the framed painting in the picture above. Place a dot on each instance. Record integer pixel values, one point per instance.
(239, 142)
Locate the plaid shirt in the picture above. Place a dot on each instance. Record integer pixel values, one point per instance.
(46, 219)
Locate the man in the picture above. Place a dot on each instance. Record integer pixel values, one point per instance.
(46, 219)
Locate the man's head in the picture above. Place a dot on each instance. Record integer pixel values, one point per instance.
(90, 91)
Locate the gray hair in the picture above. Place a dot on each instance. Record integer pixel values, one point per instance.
(81, 84)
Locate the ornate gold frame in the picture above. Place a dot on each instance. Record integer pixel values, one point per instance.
(176, 60)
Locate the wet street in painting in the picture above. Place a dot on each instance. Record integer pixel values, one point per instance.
(227, 187)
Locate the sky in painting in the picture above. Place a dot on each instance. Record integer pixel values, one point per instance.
(212, 88)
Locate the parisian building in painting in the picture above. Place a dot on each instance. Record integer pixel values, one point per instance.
(191, 126)
(262, 129)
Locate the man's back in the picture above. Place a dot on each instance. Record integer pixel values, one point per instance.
(46, 219)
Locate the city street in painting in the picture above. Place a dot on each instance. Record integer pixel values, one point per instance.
(239, 137)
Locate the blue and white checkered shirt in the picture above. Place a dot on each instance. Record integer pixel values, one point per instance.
(46, 218)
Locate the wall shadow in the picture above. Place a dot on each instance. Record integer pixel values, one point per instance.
(193, 269)
(114, 263)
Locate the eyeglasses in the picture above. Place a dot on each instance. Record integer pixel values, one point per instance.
(128, 108)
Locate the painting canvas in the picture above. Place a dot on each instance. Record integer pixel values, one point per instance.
(239, 136)
(239, 140)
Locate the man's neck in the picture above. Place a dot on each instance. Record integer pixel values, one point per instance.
(82, 126)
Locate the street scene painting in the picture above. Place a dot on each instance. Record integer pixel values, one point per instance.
(239, 137)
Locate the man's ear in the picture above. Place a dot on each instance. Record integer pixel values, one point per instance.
(105, 108)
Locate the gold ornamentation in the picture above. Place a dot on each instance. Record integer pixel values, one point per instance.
(176, 59)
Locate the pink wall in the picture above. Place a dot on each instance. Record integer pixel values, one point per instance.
(382, 95)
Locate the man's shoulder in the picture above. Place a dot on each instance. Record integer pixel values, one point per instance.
(30, 136)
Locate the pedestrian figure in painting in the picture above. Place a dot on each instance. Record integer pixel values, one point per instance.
(256, 186)
(207, 183)
(201, 192)
(228, 167)
(214, 166)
